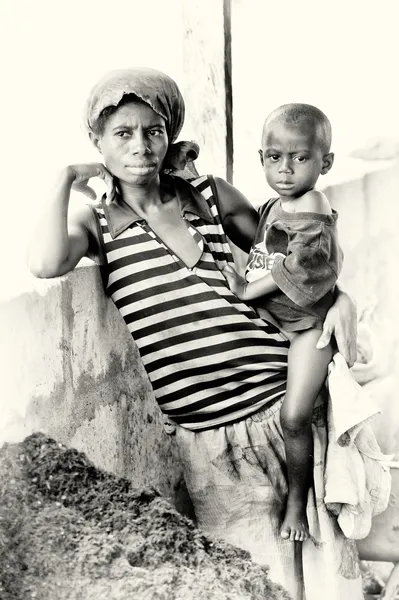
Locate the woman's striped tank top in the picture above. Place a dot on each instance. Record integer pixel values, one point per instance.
(210, 359)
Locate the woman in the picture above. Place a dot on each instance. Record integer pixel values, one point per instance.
(218, 371)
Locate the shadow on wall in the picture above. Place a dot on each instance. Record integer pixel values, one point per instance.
(72, 371)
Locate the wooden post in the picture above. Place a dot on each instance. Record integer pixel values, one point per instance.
(207, 83)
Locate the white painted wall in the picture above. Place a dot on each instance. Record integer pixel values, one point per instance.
(341, 56)
(53, 52)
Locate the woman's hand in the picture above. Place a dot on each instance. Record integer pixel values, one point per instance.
(341, 321)
(79, 175)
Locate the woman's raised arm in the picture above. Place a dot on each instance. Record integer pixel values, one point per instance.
(61, 238)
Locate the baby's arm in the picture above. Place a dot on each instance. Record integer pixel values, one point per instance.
(249, 291)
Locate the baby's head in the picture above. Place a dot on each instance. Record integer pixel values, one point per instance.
(296, 141)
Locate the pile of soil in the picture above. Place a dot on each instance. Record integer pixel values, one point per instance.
(70, 531)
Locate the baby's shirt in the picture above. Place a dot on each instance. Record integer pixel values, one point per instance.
(306, 268)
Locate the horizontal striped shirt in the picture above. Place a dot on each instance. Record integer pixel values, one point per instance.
(210, 358)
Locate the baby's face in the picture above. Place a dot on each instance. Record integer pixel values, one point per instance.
(291, 158)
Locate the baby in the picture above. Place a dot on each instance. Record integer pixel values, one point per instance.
(292, 268)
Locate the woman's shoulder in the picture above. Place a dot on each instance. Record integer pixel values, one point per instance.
(220, 184)
(229, 200)
(230, 197)
(81, 214)
(224, 187)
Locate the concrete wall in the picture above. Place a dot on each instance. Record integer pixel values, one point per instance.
(368, 223)
(369, 219)
(70, 368)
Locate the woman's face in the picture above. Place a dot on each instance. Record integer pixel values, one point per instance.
(134, 143)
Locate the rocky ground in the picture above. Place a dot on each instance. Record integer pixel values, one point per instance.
(69, 531)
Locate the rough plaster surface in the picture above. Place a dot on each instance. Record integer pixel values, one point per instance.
(368, 225)
(72, 371)
(369, 217)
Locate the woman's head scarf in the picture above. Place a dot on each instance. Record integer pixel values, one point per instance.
(157, 90)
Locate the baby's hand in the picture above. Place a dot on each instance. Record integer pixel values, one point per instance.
(237, 284)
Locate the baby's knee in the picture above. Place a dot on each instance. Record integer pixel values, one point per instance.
(295, 422)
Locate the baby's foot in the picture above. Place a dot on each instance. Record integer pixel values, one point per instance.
(295, 525)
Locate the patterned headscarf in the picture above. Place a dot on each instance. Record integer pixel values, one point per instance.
(157, 90)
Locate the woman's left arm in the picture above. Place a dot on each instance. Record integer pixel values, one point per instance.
(341, 321)
(239, 218)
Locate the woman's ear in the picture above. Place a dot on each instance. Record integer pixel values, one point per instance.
(261, 157)
(96, 141)
(328, 161)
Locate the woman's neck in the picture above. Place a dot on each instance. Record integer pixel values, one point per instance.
(142, 198)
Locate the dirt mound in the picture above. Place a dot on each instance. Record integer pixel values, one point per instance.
(69, 531)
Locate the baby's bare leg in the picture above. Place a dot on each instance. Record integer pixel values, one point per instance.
(307, 370)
